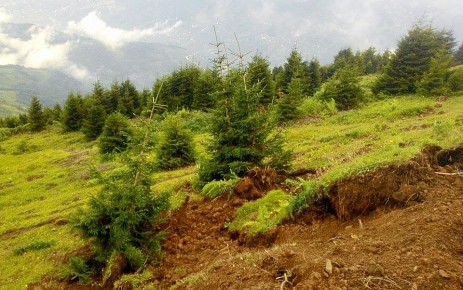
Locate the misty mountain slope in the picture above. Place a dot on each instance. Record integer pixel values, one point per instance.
(50, 86)
(142, 62)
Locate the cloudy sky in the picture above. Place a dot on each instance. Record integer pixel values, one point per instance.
(273, 27)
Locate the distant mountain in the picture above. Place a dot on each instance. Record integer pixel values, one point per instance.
(142, 62)
(18, 84)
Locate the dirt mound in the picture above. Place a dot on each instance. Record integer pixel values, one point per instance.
(256, 183)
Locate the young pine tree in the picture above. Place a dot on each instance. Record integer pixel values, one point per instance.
(115, 135)
(35, 116)
(176, 148)
(244, 136)
(120, 221)
(288, 106)
(95, 120)
(73, 113)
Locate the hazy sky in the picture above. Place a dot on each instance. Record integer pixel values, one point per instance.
(316, 28)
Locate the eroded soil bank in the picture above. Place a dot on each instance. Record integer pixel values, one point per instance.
(399, 227)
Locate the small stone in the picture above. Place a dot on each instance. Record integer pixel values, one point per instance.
(316, 275)
(415, 269)
(329, 267)
(444, 274)
(414, 286)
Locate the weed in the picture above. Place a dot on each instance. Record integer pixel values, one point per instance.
(77, 269)
(34, 246)
(308, 190)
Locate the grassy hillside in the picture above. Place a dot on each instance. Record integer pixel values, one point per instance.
(44, 177)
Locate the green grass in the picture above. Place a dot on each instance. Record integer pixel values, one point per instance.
(45, 177)
(380, 133)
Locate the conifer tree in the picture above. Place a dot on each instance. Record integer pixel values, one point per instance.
(344, 89)
(313, 74)
(455, 81)
(95, 119)
(130, 99)
(412, 59)
(432, 82)
(205, 85)
(243, 135)
(176, 148)
(35, 116)
(292, 68)
(120, 222)
(458, 56)
(115, 135)
(288, 106)
(260, 76)
(73, 112)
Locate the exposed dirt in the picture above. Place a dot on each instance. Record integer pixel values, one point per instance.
(400, 227)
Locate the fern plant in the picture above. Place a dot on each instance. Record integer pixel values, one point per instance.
(216, 188)
(307, 191)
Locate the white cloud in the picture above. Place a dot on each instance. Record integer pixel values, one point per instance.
(3, 16)
(92, 26)
(38, 52)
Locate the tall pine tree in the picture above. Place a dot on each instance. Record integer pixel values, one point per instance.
(412, 59)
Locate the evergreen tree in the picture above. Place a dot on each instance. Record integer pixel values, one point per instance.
(95, 119)
(130, 99)
(115, 135)
(432, 83)
(57, 112)
(176, 148)
(288, 106)
(292, 68)
(205, 85)
(114, 98)
(455, 81)
(458, 56)
(73, 113)
(243, 135)
(412, 59)
(36, 118)
(102, 97)
(344, 89)
(260, 76)
(313, 73)
(121, 221)
(344, 58)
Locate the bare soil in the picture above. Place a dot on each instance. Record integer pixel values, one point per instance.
(399, 227)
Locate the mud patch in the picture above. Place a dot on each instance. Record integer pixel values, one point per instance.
(34, 177)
